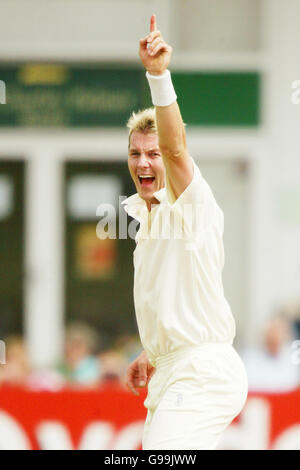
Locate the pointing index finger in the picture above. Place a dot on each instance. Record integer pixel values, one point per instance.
(153, 24)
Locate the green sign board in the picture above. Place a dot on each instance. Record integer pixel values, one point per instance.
(59, 96)
(218, 99)
(55, 95)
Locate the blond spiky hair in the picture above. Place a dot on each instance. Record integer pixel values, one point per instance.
(142, 121)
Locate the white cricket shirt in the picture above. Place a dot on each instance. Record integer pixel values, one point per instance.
(178, 262)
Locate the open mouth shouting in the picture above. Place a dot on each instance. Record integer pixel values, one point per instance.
(146, 180)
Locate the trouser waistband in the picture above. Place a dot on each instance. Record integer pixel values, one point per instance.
(172, 357)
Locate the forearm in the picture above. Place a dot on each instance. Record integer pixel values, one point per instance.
(155, 55)
(171, 131)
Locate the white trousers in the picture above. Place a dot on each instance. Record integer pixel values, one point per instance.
(193, 396)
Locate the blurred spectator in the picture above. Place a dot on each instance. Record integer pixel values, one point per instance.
(130, 345)
(270, 367)
(17, 369)
(113, 366)
(81, 365)
(114, 361)
(18, 372)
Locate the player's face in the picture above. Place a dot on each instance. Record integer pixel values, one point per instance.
(146, 165)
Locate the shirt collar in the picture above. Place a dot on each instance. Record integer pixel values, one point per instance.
(135, 206)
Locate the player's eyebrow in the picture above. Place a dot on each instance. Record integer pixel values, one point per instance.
(132, 150)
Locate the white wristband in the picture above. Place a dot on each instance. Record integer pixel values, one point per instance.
(162, 90)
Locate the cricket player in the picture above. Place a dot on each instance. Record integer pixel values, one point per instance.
(196, 381)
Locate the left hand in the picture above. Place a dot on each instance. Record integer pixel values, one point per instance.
(154, 52)
(139, 373)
